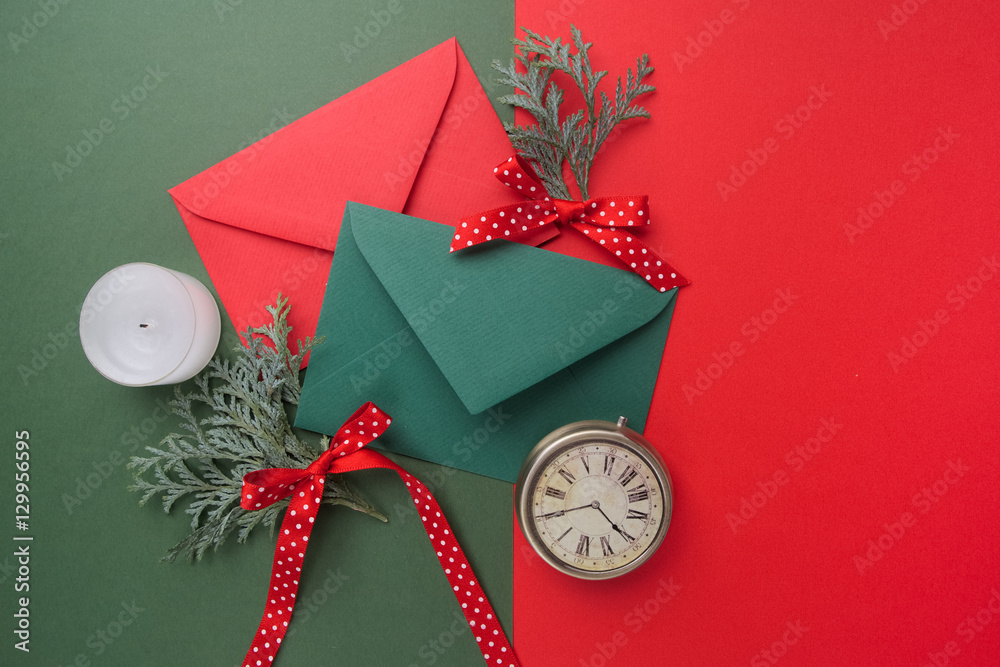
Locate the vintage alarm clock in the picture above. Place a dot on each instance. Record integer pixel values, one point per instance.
(594, 499)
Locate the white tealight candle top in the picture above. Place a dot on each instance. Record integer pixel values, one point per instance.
(142, 325)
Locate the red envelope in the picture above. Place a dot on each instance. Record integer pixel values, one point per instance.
(421, 139)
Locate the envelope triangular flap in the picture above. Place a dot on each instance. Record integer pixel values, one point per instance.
(498, 319)
(280, 186)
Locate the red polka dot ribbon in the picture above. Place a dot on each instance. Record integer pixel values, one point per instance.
(604, 220)
(305, 487)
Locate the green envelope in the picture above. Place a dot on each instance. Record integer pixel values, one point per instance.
(477, 354)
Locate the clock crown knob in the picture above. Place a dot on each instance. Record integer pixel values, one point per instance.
(622, 421)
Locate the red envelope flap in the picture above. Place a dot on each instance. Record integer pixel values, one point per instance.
(456, 176)
(294, 183)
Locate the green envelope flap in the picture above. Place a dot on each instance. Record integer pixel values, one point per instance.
(372, 353)
(501, 318)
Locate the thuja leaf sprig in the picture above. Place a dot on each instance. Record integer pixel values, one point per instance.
(246, 429)
(576, 139)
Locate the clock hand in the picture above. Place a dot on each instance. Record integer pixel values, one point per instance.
(621, 532)
(597, 506)
(580, 507)
(552, 515)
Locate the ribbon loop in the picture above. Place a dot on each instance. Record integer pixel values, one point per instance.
(518, 174)
(366, 424)
(505, 222)
(262, 488)
(515, 220)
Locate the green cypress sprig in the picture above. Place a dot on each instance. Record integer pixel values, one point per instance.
(246, 429)
(576, 139)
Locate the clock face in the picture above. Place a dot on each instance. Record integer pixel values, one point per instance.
(598, 506)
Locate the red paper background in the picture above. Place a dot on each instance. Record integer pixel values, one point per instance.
(732, 594)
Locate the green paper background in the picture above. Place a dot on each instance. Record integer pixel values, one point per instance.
(231, 72)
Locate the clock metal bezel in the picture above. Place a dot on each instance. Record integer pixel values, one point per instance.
(572, 436)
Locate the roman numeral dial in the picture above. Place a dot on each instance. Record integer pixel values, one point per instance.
(594, 506)
(606, 546)
(638, 495)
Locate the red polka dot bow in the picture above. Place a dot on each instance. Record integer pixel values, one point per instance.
(605, 220)
(305, 488)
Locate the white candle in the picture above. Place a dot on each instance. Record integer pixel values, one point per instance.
(143, 325)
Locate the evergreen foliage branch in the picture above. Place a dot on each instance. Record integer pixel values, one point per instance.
(578, 138)
(246, 429)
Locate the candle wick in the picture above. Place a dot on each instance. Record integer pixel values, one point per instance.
(143, 326)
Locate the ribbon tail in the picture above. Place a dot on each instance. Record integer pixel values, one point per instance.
(635, 255)
(483, 622)
(305, 493)
(490, 636)
(289, 554)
